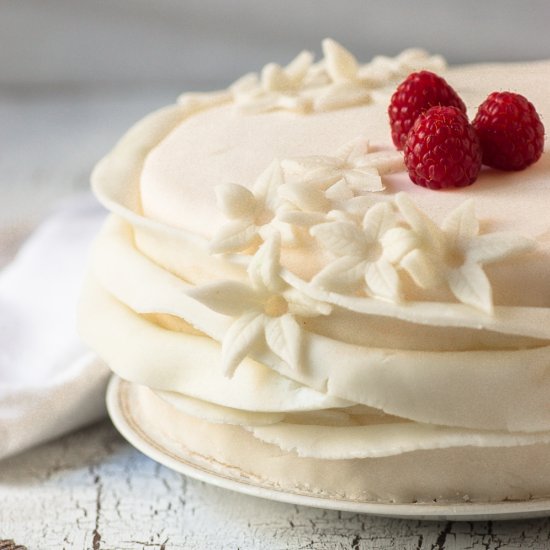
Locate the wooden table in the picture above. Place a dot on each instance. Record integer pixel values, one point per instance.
(91, 490)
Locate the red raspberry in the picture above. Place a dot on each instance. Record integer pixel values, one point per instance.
(510, 131)
(442, 149)
(416, 94)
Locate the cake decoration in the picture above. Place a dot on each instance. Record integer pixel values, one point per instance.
(442, 149)
(263, 311)
(510, 131)
(416, 94)
(336, 82)
(328, 327)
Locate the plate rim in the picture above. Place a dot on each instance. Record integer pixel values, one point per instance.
(467, 511)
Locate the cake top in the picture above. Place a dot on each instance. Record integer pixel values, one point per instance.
(303, 155)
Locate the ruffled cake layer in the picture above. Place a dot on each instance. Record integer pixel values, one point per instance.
(391, 391)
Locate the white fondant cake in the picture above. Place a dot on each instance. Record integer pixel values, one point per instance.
(302, 313)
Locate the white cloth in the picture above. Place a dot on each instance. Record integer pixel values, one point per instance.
(49, 382)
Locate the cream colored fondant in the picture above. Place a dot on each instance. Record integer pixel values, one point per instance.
(269, 232)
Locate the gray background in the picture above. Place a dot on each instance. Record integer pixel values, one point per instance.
(210, 42)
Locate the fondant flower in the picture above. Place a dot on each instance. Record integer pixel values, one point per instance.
(264, 311)
(361, 260)
(453, 254)
(322, 184)
(276, 88)
(346, 87)
(251, 212)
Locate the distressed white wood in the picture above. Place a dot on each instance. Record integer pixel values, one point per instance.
(91, 490)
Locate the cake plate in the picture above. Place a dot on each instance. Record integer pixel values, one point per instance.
(120, 404)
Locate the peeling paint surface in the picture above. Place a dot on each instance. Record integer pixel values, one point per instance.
(92, 490)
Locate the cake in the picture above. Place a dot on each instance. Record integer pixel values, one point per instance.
(289, 308)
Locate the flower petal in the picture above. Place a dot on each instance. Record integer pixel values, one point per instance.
(343, 275)
(283, 336)
(397, 242)
(264, 268)
(304, 196)
(461, 223)
(302, 305)
(422, 269)
(234, 236)
(364, 179)
(471, 286)
(267, 184)
(386, 162)
(235, 201)
(341, 65)
(426, 229)
(298, 68)
(341, 238)
(377, 220)
(382, 280)
(301, 219)
(341, 95)
(354, 150)
(274, 78)
(245, 334)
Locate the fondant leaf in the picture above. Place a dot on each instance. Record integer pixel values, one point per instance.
(341, 65)
(234, 236)
(245, 334)
(305, 196)
(235, 201)
(264, 268)
(422, 269)
(283, 336)
(341, 238)
(461, 223)
(471, 286)
(340, 95)
(267, 184)
(397, 242)
(343, 275)
(298, 68)
(382, 280)
(274, 78)
(364, 179)
(377, 220)
(386, 162)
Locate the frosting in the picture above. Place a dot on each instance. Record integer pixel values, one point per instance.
(274, 268)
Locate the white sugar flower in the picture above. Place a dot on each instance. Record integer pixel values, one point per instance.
(276, 88)
(251, 213)
(346, 87)
(264, 311)
(361, 260)
(452, 255)
(382, 69)
(322, 184)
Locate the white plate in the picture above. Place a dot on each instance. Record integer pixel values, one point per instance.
(119, 405)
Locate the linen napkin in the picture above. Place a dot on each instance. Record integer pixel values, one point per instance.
(49, 382)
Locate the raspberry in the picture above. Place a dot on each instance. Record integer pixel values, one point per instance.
(442, 149)
(416, 94)
(510, 131)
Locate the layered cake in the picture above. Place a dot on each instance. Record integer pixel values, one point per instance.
(290, 309)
